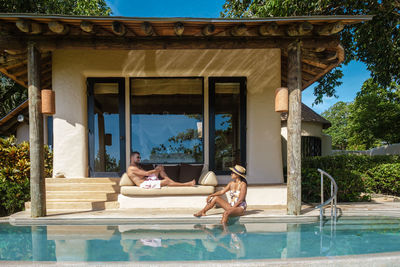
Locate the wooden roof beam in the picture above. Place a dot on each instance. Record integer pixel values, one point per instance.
(50, 43)
(27, 26)
(5, 72)
(118, 28)
(238, 30)
(179, 28)
(299, 29)
(87, 26)
(271, 29)
(58, 27)
(331, 28)
(208, 30)
(148, 29)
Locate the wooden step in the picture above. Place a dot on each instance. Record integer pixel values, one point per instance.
(80, 196)
(78, 205)
(93, 187)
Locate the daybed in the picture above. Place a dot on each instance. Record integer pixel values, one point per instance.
(132, 196)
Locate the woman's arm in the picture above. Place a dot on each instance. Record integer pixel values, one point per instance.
(242, 195)
(220, 192)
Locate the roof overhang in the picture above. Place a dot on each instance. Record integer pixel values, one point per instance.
(321, 48)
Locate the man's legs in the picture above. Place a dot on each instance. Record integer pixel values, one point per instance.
(168, 181)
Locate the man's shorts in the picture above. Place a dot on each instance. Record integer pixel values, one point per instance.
(151, 182)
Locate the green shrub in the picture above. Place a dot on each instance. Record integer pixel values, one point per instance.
(383, 179)
(348, 172)
(15, 174)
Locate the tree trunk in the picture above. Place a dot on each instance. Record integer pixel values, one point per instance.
(38, 192)
(294, 130)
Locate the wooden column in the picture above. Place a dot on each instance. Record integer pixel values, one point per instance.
(294, 130)
(38, 193)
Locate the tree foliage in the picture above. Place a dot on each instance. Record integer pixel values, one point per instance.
(375, 116)
(338, 115)
(369, 121)
(376, 42)
(11, 95)
(61, 7)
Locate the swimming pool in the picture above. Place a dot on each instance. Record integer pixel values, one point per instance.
(197, 242)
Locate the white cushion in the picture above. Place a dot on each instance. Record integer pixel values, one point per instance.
(208, 178)
(167, 190)
(125, 180)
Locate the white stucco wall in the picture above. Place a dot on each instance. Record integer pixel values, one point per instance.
(308, 129)
(23, 132)
(261, 67)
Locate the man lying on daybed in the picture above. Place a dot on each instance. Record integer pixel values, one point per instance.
(149, 179)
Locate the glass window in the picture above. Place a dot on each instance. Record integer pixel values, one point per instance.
(106, 128)
(227, 123)
(310, 146)
(167, 119)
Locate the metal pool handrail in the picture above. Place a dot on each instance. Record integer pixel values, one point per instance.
(332, 199)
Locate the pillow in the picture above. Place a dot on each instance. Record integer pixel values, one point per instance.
(208, 178)
(189, 172)
(125, 181)
(172, 172)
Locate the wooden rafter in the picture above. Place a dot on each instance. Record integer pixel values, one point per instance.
(318, 36)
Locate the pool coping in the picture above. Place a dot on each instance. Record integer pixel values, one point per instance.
(23, 218)
(377, 259)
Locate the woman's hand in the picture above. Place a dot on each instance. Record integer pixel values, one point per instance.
(209, 198)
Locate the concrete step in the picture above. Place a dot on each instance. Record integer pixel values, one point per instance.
(78, 206)
(93, 187)
(114, 181)
(80, 196)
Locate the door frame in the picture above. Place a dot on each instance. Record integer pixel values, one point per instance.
(243, 128)
(121, 110)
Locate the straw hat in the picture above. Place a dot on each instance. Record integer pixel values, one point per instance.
(239, 170)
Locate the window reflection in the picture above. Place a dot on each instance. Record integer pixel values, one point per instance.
(106, 128)
(227, 125)
(167, 119)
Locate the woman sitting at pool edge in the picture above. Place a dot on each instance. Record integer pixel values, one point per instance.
(238, 191)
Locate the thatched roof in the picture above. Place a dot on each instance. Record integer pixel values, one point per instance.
(309, 115)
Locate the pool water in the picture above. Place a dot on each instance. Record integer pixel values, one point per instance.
(188, 242)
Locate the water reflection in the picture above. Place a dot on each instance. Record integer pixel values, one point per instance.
(147, 242)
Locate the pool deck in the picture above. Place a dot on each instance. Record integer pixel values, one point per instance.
(378, 208)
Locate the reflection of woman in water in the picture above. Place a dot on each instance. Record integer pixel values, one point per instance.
(216, 237)
(237, 189)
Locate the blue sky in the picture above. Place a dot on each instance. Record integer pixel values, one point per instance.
(354, 74)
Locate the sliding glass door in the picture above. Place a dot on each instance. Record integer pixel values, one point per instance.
(106, 120)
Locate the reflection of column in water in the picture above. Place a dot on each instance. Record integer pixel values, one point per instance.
(39, 243)
(71, 250)
(293, 240)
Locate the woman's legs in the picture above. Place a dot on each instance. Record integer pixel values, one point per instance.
(231, 212)
(215, 200)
